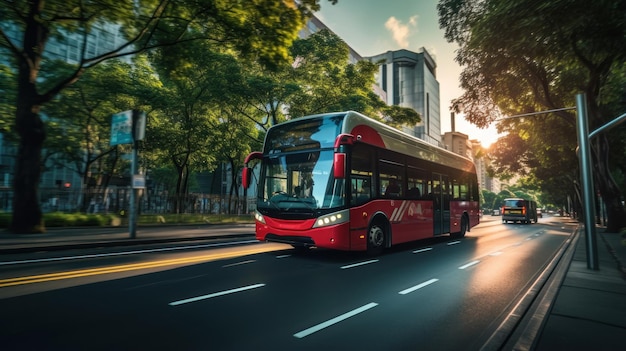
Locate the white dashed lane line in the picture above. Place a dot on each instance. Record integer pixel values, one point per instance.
(221, 293)
(359, 264)
(335, 320)
(418, 286)
(469, 264)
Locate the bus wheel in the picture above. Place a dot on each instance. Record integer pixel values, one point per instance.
(375, 239)
(464, 225)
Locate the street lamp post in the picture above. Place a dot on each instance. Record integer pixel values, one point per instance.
(586, 171)
(586, 177)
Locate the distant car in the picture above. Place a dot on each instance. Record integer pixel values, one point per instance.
(539, 214)
(495, 213)
(519, 210)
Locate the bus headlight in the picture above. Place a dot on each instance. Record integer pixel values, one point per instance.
(259, 217)
(332, 219)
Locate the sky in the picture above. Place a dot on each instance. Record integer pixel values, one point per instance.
(372, 27)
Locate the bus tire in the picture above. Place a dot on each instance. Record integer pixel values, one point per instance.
(376, 238)
(464, 227)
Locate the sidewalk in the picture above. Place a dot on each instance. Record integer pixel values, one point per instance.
(589, 311)
(576, 309)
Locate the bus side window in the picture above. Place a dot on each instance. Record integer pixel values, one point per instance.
(415, 182)
(361, 191)
(393, 189)
(414, 193)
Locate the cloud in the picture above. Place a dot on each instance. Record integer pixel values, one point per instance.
(401, 32)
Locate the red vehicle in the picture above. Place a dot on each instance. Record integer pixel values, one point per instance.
(347, 182)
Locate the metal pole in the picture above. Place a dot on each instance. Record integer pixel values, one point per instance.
(132, 206)
(586, 176)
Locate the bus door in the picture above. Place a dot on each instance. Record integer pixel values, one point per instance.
(441, 204)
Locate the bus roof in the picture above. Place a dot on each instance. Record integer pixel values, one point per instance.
(370, 131)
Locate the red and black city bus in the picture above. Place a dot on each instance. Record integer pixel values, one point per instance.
(347, 182)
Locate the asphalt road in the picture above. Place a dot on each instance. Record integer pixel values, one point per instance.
(438, 294)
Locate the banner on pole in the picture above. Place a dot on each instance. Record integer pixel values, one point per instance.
(122, 128)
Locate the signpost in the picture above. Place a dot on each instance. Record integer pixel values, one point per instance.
(128, 127)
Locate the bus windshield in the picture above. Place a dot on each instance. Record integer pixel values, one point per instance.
(301, 183)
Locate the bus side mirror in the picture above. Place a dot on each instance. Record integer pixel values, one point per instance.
(246, 173)
(339, 166)
(245, 177)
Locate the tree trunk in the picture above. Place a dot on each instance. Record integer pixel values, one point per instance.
(27, 216)
(611, 194)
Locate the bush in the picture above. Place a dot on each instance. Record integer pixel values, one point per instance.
(60, 219)
(5, 219)
(56, 219)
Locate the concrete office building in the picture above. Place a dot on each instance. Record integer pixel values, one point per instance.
(409, 79)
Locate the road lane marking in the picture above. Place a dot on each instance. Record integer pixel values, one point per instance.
(283, 256)
(129, 267)
(453, 243)
(423, 250)
(418, 286)
(68, 258)
(238, 263)
(469, 264)
(221, 293)
(496, 253)
(335, 320)
(359, 264)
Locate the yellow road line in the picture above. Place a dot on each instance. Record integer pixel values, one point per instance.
(127, 267)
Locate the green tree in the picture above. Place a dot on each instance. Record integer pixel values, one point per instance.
(527, 56)
(79, 122)
(255, 28)
(329, 82)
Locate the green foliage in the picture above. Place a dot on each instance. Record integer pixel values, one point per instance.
(258, 29)
(329, 82)
(525, 56)
(7, 101)
(5, 219)
(59, 219)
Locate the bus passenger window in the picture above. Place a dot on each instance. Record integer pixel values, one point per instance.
(414, 193)
(393, 188)
(361, 191)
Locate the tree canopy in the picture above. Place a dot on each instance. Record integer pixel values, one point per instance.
(258, 29)
(527, 56)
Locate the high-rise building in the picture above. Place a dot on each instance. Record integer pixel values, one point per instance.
(409, 79)
(406, 79)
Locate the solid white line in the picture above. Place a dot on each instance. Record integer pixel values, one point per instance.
(419, 286)
(127, 252)
(453, 243)
(204, 297)
(469, 264)
(335, 320)
(423, 250)
(359, 264)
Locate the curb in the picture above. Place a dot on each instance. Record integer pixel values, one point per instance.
(112, 243)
